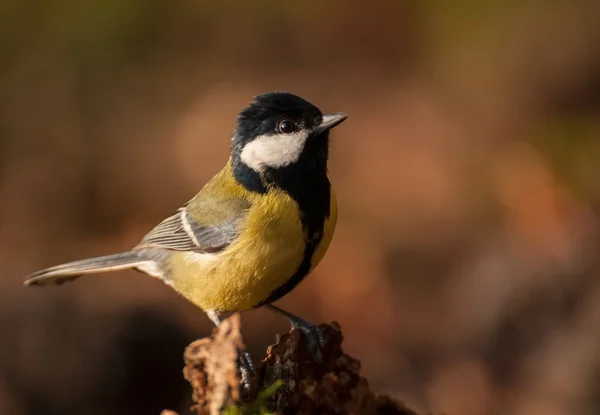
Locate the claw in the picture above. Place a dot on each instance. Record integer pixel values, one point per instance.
(312, 333)
(313, 336)
(247, 371)
(245, 364)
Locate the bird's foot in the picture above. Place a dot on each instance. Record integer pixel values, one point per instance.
(313, 335)
(247, 371)
(312, 332)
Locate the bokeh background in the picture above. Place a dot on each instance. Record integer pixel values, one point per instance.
(465, 268)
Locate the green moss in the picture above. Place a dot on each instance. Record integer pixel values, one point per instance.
(259, 406)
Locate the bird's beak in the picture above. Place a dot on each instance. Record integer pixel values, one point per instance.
(330, 121)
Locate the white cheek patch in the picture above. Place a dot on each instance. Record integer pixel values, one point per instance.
(274, 150)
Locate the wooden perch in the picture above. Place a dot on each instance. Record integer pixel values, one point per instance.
(287, 381)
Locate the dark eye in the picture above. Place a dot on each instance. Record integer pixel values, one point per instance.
(287, 126)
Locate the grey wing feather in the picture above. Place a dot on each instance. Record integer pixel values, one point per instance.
(181, 233)
(215, 238)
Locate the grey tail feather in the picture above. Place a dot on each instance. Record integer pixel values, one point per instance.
(69, 271)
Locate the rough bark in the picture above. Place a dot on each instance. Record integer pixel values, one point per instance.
(287, 380)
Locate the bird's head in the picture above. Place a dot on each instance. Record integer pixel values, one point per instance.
(280, 131)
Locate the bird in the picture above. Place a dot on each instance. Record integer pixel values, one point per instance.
(254, 231)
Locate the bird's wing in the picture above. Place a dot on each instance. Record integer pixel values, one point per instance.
(200, 226)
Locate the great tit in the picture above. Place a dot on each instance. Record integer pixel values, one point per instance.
(255, 230)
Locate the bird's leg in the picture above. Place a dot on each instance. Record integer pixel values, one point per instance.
(312, 333)
(245, 362)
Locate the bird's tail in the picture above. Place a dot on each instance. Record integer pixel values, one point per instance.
(69, 271)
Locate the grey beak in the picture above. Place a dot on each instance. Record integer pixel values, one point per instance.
(330, 121)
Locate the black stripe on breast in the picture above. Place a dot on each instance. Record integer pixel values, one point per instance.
(298, 276)
(310, 188)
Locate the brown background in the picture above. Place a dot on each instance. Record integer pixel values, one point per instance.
(464, 270)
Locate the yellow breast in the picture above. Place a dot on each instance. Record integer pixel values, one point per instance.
(267, 253)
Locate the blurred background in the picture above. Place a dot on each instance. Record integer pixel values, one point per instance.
(465, 267)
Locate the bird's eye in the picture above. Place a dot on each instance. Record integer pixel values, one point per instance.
(287, 126)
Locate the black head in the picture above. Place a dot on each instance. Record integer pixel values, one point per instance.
(281, 134)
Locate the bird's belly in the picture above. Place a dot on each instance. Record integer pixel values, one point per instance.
(266, 254)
